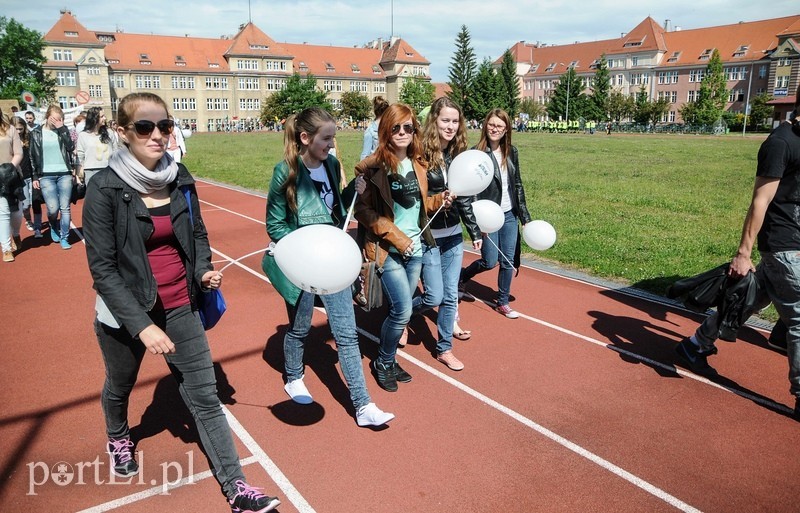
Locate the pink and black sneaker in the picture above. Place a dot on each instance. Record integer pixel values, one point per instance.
(249, 499)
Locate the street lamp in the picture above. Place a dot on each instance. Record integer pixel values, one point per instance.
(568, 84)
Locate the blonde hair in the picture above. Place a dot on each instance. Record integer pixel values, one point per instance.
(310, 120)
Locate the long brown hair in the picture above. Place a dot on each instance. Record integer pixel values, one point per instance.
(431, 145)
(19, 122)
(505, 142)
(4, 126)
(385, 152)
(310, 120)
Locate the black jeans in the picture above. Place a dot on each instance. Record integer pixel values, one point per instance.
(193, 369)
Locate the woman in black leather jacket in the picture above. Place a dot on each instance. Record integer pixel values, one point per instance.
(149, 257)
(506, 190)
(443, 137)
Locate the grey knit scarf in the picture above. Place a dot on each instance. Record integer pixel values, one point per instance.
(141, 179)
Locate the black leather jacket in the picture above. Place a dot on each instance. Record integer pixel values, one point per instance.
(515, 189)
(64, 142)
(461, 210)
(116, 224)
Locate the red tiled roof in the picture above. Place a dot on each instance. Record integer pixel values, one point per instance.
(68, 24)
(783, 100)
(134, 51)
(251, 36)
(749, 41)
(401, 51)
(441, 89)
(343, 61)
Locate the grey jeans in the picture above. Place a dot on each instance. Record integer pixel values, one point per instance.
(779, 274)
(193, 369)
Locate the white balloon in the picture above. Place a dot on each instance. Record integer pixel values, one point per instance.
(470, 173)
(187, 133)
(539, 235)
(488, 215)
(319, 258)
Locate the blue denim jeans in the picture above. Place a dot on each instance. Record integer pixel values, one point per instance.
(193, 369)
(341, 318)
(443, 274)
(399, 281)
(36, 220)
(506, 240)
(779, 275)
(57, 191)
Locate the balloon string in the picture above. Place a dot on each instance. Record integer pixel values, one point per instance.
(431, 219)
(243, 257)
(498, 250)
(350, 212)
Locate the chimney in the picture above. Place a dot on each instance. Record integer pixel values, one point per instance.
(666, 25)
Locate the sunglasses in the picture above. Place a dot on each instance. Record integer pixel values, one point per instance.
(145, 127)
(407, 128)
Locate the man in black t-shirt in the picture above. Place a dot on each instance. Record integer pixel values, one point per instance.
(773, 219)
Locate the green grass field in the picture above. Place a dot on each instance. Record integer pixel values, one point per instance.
(641, 209)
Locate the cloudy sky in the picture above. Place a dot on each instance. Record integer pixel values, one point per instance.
(430, 26)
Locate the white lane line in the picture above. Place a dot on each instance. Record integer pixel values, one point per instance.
(560, 440)
(158, 490)
(294, 496)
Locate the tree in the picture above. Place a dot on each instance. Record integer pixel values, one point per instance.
(356, 106)
(418, 93)
(759, 110)
(485, 92)
(601, 87)
(641, 112)
(462, 71)
(712, 96)
(509, 85)
(619, 106)
(299, 93)
(532, 108)
(570, 84)
(21, 62)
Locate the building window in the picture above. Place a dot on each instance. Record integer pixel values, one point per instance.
(216, 103)
(640, 78)
(182, 82)
(216, 83)
(696, 75)
(92, 70)
(784, 61)
(275, 65)
(671, 118)
(247, 64)
(249, 104)
(117, 81)
(276, 84)
(65, 78)
(735, 73)
(62, 102)
(148, 82)
(184, 104)
(634, 61)
(692, 96)
(781, 82)
(762, 72)
(332, 85)
(379, 87)
(736, 95)
(248, 84)
(359, 86)
(96, 91)
(62, 55)
(336, 103)
(620, 79)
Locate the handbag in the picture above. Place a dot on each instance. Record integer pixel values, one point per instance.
(368, 290)
(210, 303)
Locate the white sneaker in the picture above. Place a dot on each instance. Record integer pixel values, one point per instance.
(371, 415)
(298, 392)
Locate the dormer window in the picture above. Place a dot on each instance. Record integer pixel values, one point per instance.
(741, 52)
(674, 57)
(143, 56)
(354, 68)
(303, 66)
(329, 67)
(706, 54)
(573, 64)
(254, 46)
(213, 65)
(550, 67)
(376, 69)
(70, 33)
(105, 38)
(534, 68)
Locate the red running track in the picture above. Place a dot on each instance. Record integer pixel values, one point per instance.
(576, 406)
